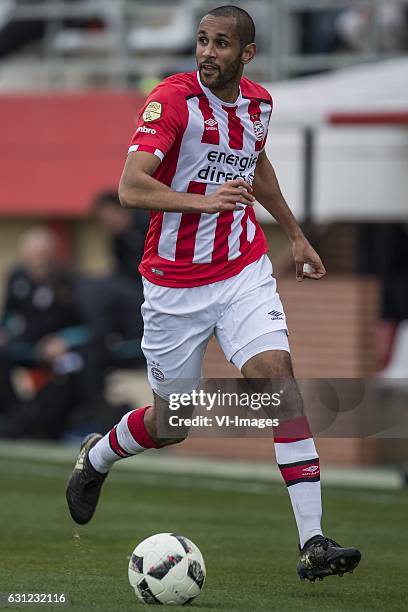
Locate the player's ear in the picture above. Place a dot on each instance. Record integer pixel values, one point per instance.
(248, 53)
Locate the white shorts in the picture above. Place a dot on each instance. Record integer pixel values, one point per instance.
(244, 313)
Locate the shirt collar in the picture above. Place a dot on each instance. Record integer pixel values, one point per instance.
(214, 98)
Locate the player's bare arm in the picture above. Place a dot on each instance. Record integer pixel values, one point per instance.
(139, 189)
(269, 195)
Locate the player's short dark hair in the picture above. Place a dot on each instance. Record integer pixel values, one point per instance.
(245, 23)
(106, 198)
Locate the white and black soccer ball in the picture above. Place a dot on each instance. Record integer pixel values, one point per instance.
(167, 568)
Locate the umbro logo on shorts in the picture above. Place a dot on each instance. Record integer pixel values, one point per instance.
(276, 315)
(211, 124)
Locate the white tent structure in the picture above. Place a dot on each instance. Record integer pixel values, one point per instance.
(359, 171)
(379, 87)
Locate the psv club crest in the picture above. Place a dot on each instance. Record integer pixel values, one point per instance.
(259, 130)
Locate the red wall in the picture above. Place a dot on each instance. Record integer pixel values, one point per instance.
(57, 151)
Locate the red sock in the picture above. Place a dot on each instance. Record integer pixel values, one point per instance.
(137, 428)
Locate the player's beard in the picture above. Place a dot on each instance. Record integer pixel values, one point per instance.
(223, 78)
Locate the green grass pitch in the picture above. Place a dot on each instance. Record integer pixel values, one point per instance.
(245, 531)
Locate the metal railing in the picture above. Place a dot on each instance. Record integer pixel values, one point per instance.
(107, 59)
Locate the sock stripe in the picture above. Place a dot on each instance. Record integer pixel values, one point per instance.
(288, 440)
(301, 471)
(289, 483)
(137, 429)
(114, 444)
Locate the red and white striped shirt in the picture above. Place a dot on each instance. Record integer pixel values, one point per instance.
(202, 142)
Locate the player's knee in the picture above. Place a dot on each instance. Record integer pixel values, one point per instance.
(291, 401)
(271, 364)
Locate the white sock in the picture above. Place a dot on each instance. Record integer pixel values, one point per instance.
(299, 465)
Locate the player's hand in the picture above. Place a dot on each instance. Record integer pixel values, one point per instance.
(308, 262)
(233, 195)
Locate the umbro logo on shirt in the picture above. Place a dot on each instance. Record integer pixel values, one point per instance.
(276, 315)
(211, 124)
(146, 130)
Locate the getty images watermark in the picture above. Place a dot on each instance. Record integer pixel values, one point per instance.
(222, 400)
(335, 408)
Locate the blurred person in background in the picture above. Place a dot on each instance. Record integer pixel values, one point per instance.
(382, 251)
(348, 29)
(318, 31)
(127, 230)
(17, 32)
(112, 303)
(353, 27)
(43, 330)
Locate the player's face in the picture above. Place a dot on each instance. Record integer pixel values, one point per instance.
(218, 52)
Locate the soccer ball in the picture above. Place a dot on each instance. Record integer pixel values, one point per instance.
(166, 569)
